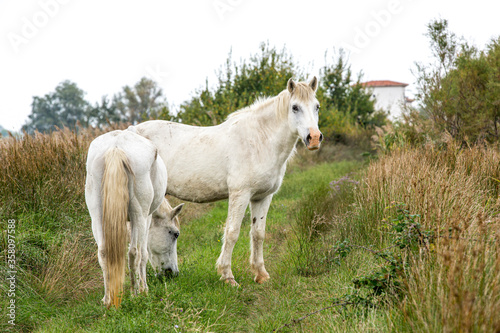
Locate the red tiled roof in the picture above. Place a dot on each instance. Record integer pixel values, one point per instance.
(383, 83)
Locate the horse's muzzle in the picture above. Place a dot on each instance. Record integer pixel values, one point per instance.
(313, 139)
(168, 273)
(171, 272)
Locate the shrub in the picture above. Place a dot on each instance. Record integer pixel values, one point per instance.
(460, 92)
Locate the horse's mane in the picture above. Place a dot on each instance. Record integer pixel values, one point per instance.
(302, 91)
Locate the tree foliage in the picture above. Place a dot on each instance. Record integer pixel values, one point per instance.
(104, 113)
(344, 101)
(460, 92)
(142, 101)
(339, 91)
(66, 106)
(264, 74)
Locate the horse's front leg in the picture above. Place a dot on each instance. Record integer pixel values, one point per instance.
(257, 234)
(144, 259)
(238, 203)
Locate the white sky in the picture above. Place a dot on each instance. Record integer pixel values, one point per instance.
(104, 45)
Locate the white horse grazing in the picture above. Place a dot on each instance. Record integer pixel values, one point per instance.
(162, 239)
(243, 159)
(126, 179)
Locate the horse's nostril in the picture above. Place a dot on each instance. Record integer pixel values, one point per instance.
(308, 138)
(321, 137)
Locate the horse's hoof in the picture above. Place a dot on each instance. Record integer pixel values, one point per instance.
(261, 278)
(105, 301)
(232, 282)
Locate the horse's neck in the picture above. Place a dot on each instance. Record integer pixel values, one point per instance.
(276, 133)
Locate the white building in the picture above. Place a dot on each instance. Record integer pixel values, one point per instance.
(389, 96)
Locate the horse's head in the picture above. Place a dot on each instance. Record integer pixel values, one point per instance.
(303, 112)
(162, 240)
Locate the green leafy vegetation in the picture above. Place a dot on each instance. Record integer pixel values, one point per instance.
(460, 92)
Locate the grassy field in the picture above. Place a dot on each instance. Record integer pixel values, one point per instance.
(320, 205)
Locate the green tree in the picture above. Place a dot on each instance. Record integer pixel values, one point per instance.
(345, 103)
(264, 74)
(460, 92)
(143, 101)
(64, 107)
(104, 113)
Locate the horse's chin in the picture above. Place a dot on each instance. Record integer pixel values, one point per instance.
(313, 147)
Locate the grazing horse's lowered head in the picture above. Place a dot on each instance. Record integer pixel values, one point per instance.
(162, 242)
(303, 112)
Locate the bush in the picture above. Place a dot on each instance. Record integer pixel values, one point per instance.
(265, 74)
(460, 93)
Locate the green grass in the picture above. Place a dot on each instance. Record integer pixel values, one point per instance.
(197, 300)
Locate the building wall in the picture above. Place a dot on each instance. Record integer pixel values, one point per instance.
(390, 99)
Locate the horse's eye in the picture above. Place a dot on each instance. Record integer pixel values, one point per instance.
(295, 108)
(317, 107)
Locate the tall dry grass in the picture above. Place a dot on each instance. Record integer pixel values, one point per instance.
(42, 179)
(71, 272)
(456, 191)
(43, 172)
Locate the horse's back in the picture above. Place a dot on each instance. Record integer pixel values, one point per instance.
(196, 159)
(141, 153)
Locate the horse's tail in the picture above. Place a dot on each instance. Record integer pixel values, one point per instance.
(115, 201)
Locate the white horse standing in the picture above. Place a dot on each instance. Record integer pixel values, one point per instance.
(126, 179)
(243, 159)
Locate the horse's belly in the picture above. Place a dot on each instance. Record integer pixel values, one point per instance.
(197, 190)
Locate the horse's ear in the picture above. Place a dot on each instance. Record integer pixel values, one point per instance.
(291, 86)
(314, 83)
(176, 211)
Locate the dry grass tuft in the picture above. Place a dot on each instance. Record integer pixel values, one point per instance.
(43, 171)
(456, 191)
(72, 271)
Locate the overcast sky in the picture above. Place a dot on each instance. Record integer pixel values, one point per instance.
(104, 45)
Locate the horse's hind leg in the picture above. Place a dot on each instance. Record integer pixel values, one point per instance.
(135, 253)
(106, 300)
(93, 199)
(101, 256)
(257, 234)
(237, 205)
